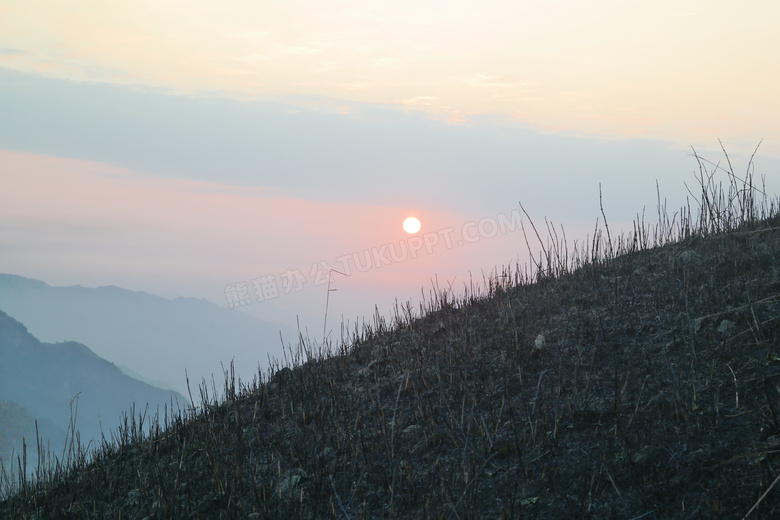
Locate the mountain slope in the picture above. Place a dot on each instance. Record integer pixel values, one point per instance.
(152, 336)
(640, 386)
(45, 379)
(19, 426)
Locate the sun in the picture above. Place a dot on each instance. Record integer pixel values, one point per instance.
(411, 225)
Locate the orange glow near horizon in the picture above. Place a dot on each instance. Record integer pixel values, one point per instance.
(111, 226)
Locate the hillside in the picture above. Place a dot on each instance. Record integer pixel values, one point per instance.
(17, 427)
(640, 381)
(150, 337)
(59, 384)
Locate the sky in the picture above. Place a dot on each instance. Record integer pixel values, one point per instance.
(240, 151)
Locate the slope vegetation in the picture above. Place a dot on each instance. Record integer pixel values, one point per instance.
(637, 378)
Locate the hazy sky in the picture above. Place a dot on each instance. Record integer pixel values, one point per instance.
(186, 148)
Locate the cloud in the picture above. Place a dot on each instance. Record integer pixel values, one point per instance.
(105, 224)
(553, 62)
(11, 54)
(316, 149)
(207, 191)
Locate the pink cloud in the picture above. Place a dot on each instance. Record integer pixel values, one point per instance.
(71, 221)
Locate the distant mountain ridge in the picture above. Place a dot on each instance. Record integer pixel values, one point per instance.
(154, 337)
(39, 381)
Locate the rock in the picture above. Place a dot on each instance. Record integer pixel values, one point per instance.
(726, 327)
(287, 483)
(133, 497)
(689, 256)
(366, 370)
(640, 457)
(412, 429)
(697, 324)
(290, 480)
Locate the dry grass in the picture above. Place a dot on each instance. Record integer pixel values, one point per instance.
(654, 394)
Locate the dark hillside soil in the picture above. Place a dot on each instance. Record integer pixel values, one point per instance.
(653, 392)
